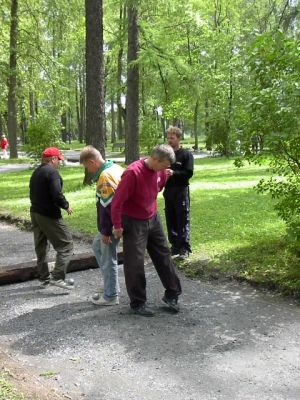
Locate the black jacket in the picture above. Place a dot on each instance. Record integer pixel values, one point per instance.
(183, 168)
(46, 192)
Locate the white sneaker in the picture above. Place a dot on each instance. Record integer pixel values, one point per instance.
(62, 284)
(103, 302)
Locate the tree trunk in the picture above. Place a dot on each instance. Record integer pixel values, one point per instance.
(95, 134)
(132, 96)
(122, 19)
(63, 120)
(113, 122)
(82, 104)
(12, 82)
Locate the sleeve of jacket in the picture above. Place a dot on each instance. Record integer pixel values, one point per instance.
(55, 183)
(187, 169)
(104, 220)
(123, 193)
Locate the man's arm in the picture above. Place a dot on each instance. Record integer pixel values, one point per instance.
(187, 169)
(56, 192)
(123, 193)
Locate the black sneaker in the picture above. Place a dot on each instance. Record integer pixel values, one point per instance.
(174, 252)
(172, 303)
(183, 254)
(142, 310)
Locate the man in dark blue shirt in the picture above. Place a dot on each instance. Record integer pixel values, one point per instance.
(47, 200)
(177, 196)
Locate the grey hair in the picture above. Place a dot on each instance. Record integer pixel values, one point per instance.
(163, 152)
(89, 153)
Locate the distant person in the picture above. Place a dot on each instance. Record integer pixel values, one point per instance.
(47, 200)
(254, 143)
(134, 215)
(261, 141)
(69, 137)
(4, 146)
(177, 195)
(107, 175)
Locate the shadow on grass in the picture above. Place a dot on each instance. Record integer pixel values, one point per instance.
(267, 264)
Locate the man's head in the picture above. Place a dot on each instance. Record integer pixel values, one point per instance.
(52, 155)
(91, 159)
(162, 156)
(174, 135)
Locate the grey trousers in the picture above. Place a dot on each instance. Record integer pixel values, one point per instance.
(56, 232)
(137, 237)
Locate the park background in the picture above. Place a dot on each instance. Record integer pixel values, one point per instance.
(116, 74)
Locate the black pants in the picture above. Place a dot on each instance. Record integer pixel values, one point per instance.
(137, 237)
(177, 211)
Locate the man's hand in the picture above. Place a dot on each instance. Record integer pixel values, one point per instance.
(106, 240)
(117, 232)
(69, 211)
(169, 172)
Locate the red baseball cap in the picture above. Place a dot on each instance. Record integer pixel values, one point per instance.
(52, 152)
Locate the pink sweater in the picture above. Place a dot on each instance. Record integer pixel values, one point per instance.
(137, 192)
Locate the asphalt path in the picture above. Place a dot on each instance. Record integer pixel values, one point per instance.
(72, 159)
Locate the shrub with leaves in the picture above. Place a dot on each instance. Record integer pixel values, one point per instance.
(42, 133)
(275, 111)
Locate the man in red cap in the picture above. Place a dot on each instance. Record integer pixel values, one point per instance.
(47, 200)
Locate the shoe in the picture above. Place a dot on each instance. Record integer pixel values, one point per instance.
(142, 310)
(64, 284)
(103, 302)
(174, 252)
(45, 282)
(183, 254)
(172, 303)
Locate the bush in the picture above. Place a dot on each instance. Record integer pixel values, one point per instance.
(149, 136)
(42, 133)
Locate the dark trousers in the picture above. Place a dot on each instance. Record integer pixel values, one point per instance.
(177, 212)
(56, 232)
(137, 237)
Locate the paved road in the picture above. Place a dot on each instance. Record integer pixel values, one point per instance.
(228, 342)
(72, 159)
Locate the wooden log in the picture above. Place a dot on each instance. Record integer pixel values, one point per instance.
(27, 270)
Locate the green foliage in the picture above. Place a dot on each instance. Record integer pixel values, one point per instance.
(43, 132)
(275, 111)
(149, 135)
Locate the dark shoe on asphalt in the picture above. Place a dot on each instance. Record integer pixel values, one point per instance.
(142, 310)
(171, 303)
(64, 284)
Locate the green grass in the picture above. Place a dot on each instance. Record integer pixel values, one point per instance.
(7, 391)
(231, 224)
(15, 161)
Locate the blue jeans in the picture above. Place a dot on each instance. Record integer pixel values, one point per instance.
(106, 256)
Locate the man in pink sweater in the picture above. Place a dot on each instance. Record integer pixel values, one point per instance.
(134, 215)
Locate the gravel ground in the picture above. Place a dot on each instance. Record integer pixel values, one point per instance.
(229, 341)
(17, 245)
